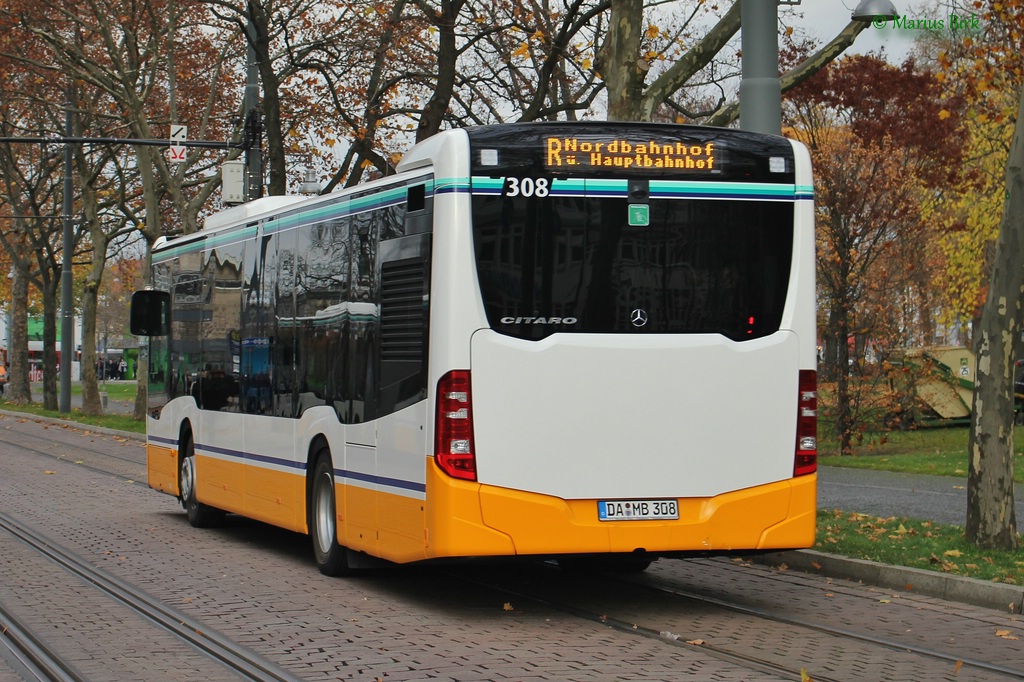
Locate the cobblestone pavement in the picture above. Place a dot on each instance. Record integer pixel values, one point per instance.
(258, 585)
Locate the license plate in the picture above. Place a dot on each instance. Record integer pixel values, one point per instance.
(637, 510)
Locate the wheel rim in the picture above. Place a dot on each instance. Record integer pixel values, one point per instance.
(188, 477)
(325, 512)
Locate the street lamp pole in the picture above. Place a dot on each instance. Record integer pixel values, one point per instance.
(760, 89)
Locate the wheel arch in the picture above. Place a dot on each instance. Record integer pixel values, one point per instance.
(317, 445)
(185, 431)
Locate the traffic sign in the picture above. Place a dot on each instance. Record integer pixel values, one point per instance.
(176, 153)
(179, 134)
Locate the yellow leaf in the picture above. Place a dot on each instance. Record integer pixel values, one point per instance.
(944, 114)
(695, 642)
(951, 552)
(522, 50)
(508, 607)
(804, 677)
(49, 471)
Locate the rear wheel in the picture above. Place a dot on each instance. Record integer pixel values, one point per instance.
(331, 558)
(199, 514)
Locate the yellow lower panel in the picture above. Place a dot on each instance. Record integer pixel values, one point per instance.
(162, 469)
(466, 519)
(357, 518)
(401, 522)
(220, 483)
(276, 497)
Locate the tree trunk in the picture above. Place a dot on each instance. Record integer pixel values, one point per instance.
(447, 71)
(621, 65)
(18, 387)
(91, 403)
(844, 418)
(51, 295)
(991, 522)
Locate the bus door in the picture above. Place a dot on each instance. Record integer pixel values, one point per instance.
(360, 499)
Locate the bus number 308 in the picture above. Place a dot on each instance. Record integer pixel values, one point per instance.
(527, 187)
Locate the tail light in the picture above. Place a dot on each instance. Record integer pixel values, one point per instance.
(453, 426)
(806, 461)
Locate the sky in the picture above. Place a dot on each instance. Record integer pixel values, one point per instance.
(823, 19)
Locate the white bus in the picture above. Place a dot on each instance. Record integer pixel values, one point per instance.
(584, 341)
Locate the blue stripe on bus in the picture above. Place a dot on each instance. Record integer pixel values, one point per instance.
(380, 480)
(341, 474)
(239, 454)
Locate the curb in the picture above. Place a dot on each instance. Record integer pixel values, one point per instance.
(974, 591)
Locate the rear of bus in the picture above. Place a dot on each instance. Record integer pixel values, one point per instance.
(622, 342)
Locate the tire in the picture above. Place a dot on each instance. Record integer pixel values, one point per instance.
(331, 558)
(199, 514)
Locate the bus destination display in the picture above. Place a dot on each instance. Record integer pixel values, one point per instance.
(583, 153)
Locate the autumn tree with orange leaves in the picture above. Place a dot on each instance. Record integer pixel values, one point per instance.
(881, 138)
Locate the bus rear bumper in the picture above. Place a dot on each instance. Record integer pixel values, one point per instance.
(475, 520)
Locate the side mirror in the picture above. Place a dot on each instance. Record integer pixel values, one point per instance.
(150, 313)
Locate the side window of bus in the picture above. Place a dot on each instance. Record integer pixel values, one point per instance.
(280, 276)
(321, 314)
(364, 299)
(418, 210)
(217, 385)
(252, 353)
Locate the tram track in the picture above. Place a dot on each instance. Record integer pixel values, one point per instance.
(752, 663)
(776, 617)
(32, 657)
(229, 654)
(83, 454)
(548, 597)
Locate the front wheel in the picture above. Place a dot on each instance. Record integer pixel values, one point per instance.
(199, 514)
(331, 558)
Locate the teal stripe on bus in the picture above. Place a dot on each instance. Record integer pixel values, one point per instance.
(658, 189)
(338, 207)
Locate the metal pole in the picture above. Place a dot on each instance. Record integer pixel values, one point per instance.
(252, 122)
(760, 89)
(67, 328)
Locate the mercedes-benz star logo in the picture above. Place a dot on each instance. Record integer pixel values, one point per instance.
(638, 317)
